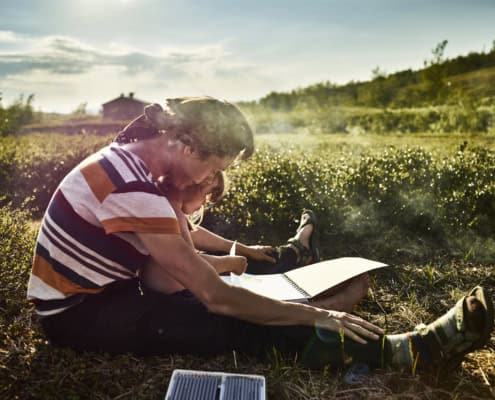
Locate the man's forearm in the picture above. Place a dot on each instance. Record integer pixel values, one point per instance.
(243, 304)
(219, 263)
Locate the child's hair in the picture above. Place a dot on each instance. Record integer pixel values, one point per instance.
(219, 190)
(220, 187)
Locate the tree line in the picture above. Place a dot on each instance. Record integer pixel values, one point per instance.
(438, 82)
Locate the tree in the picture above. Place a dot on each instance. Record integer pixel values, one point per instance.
(434, 73)
(81, 109)
(438, 53)
(378, 92)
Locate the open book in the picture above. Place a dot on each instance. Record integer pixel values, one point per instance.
(307, 283)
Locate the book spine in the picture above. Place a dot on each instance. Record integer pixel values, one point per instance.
(305, 294)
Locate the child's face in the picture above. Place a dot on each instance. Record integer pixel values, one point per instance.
(196, 196)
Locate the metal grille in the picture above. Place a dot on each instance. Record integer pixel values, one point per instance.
(201, 385)
(242, 388)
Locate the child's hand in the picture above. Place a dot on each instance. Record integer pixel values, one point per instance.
(235, 264)
(259, 253)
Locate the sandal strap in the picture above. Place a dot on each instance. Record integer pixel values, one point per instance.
(308, 217)
(304, 253)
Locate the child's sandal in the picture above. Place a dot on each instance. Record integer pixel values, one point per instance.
(308, 217)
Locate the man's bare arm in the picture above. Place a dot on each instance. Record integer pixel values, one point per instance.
(199, 277)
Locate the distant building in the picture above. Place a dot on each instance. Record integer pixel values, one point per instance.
(123, 108)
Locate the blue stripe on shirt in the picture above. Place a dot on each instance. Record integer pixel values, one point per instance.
(130, 164)
(139, 187)
(49, 229)
(94, 237)
(49, 305)
(77, 257)
(112, 173)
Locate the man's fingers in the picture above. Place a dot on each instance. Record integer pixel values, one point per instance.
(366, 324)
(350, 334)
(355, 327)
(362, 331)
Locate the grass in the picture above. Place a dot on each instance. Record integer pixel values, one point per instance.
(400, 298)
(356, 144)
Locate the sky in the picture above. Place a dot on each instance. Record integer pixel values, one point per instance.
(68, 52)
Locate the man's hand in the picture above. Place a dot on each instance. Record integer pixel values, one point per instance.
(349, 325)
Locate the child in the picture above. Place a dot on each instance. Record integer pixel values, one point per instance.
(188, 205)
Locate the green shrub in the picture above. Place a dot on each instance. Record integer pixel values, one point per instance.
(396, 205)
(16, 115)
(391, 204)
(35, 164)
(16, 252)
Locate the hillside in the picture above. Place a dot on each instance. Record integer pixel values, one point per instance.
(441, 81)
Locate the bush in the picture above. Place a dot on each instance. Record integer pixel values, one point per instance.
(16, 252)
(16, 115)
(406, 203)
(402, 204)
(35, 164)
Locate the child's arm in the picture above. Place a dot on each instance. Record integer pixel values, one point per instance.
(236, 264)
(205, 240)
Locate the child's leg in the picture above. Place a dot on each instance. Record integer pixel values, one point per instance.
(285, 257)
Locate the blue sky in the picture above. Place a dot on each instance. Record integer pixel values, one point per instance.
(70, 51)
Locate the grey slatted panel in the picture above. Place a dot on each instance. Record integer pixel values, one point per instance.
(240, 388)
(195, 386)
(204, 386)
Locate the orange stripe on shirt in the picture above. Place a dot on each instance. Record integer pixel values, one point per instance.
(145, 225)
(44, 271)
(100, 183)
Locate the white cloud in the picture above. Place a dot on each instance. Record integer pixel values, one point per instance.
(62, 72)
(9, 37)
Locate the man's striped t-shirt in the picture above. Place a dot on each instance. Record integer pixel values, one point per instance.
(88, 239)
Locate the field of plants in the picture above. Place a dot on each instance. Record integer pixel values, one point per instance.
(422, 202)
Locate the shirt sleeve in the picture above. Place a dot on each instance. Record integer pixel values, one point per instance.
(137, 207)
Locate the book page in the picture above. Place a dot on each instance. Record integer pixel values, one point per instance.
(274, 286)
(319, 277)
